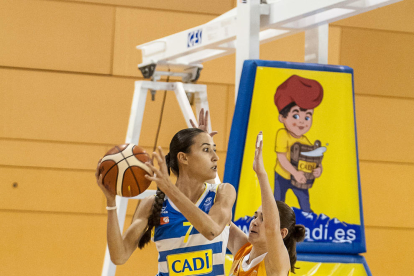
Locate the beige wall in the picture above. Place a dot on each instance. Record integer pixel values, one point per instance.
(67, 71)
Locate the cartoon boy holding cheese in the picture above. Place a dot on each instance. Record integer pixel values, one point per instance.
(295, 100)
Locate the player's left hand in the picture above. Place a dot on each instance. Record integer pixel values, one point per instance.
(258, 165)
(203, 122)
(160, 176)
(317, 172)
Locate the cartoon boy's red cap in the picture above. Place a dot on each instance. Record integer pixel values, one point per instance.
(306, 93)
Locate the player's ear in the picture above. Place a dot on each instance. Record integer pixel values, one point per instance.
(281, 119)
(182, 158)
(284, 232)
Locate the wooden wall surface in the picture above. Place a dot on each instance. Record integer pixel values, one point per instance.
(67, 72)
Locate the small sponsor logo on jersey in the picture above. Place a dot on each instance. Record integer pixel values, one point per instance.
(164, 220)
(194, 38)
(208, 203)
(163, 211)
(193, 263)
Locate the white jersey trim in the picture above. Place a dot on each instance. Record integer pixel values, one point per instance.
(253, 263)
(209, 187)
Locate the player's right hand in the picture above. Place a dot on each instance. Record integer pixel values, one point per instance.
(98, 176)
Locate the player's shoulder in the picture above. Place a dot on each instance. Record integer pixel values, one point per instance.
(226, 188)
(149, 198)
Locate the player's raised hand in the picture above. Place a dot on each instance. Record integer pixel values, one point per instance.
(258, 165)
(203, 122)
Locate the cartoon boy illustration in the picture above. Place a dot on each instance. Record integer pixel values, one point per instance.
(295, 100)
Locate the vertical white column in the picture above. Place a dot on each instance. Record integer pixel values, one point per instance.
(316, 44)
(184, 104)
(247, 41)
(202, 102)
(137, 113)
(134, 130)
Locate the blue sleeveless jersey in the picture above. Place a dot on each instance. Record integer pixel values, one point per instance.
(182, 249)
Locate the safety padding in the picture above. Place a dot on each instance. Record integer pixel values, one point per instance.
(318, 138)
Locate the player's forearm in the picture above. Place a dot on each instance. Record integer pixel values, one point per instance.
(115, 242)
(269, 207)
(200, 220)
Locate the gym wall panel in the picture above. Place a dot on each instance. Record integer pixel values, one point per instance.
(41, 154)
(52, 244)
(222, 70)
(334, 45)
(137, 26)
(290, 48)
(56, 36)
(396, 17)
(215, 7)
(384, 127)
(132, 205)
(382, 61)
(218, 96)
(390, 249)
(64, 107)
(382, 184)
(221, 162)
(50, 191)
(142, 262)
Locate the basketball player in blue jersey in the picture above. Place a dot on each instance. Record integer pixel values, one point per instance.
(191, 218)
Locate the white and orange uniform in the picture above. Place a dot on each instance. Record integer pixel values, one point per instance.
(240, 267)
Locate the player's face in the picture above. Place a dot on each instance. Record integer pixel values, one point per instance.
(202, 159)
(256, 229)
(298, 122)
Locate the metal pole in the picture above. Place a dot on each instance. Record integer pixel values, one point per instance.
(316, 44)
(247, 41)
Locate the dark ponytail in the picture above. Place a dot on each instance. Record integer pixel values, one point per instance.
(181, 142)
(296, 233)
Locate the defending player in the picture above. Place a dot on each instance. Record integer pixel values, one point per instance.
(270, 247)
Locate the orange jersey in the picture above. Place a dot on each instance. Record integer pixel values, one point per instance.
(254, 270)
(256, 267)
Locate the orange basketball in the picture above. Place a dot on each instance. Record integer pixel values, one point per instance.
(123, 169)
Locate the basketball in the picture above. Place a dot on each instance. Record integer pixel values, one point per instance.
(123, 170)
